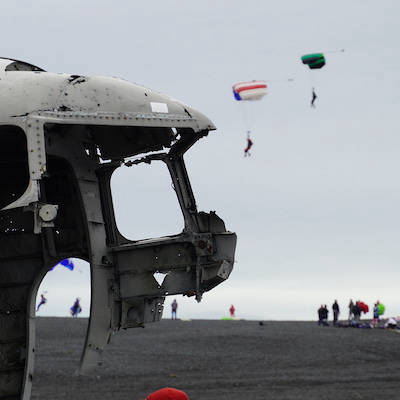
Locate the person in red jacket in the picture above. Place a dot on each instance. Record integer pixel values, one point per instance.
(232, 311)
(168, 394)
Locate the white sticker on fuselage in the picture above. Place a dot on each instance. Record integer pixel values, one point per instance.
(159, 107)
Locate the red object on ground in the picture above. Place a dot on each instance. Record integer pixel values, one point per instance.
(168, 394)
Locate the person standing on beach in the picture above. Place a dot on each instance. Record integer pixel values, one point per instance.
(323, 315)
(326, 312)
(356, 312)
(375, 321)
(320, 315)
(336, 311)
(174, 309)
(232, 311)
(76, 308)
(351, 306)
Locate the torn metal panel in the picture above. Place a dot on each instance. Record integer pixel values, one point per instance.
(31, 195)
(61, 138)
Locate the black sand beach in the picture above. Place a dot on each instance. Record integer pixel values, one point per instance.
(212, 360)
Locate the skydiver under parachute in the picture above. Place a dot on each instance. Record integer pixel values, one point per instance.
(249, 91)
(314, 61)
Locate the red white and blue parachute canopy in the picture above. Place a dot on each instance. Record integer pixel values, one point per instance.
(254, 90)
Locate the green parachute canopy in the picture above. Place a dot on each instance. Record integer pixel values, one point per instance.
(381, 309)
(314, 61)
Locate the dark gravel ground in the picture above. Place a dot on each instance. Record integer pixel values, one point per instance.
(213, 360)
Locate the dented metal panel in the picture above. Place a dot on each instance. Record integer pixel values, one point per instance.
(64, 137)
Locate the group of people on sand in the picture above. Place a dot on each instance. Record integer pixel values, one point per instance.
(356, 309)
(323, 314)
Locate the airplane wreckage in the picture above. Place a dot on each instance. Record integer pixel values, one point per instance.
(61, 138)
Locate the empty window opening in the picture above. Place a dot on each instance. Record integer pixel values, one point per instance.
(145, 202)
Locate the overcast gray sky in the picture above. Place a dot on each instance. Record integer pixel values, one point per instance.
(316, 207)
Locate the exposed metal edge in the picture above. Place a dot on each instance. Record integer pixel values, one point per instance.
(31, 195)
(114, 118)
